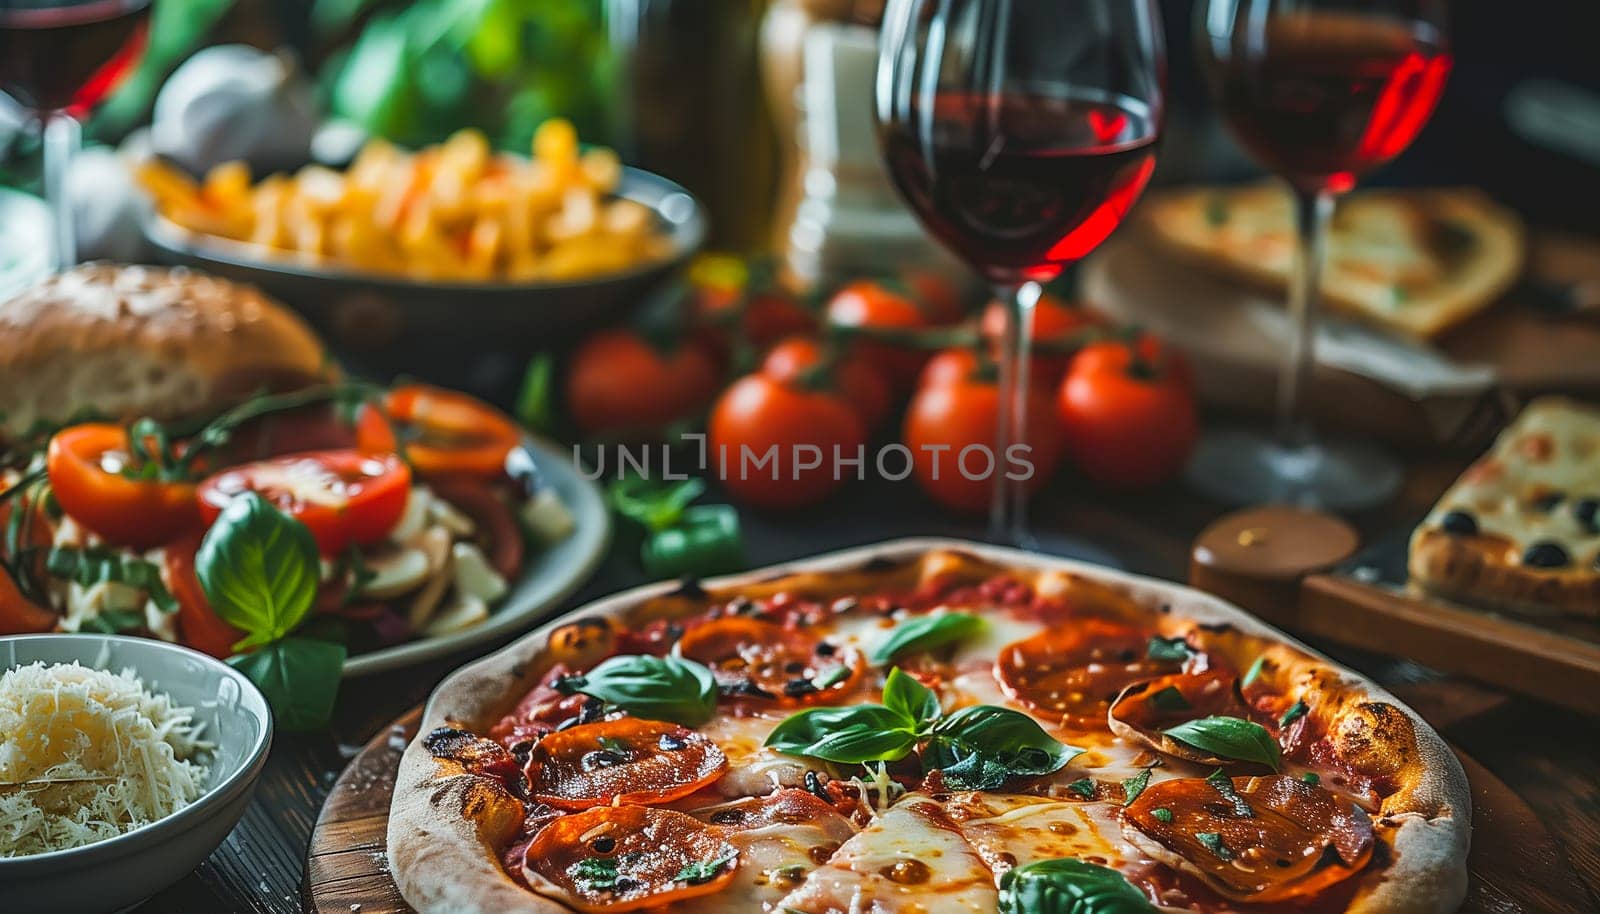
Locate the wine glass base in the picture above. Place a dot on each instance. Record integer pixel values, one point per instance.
(1250, 466)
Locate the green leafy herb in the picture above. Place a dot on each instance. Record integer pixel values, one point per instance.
(657, 688)
(832, 678)
(352, 567)
(1221, 783)
(88, 567)
(916, 702)
(1254, 673)
(981, 747)
(1162, 814)
(1168, 650)
(1213, 843)
(1229, 737)
(1069, 886)
(1083, 787)
(1132, 787)
(113, 621)
(1295, 712)
(851, 736)
(535, 402)
(924, 633)
(1170, 699)
(705, 870)
(612, 744)
(653, 505)
(596, 873)
(259, 569)
(299, 676)
(1312, 778)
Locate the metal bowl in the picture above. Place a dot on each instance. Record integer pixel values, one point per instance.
(118, 873)
(475, 336)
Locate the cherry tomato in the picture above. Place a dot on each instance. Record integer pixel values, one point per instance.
(1054, 322)
(87, 466)
(1129, 422)
(198, 625)
(343, 496)
(768, 316)
(443, 432)
(950, 429)
(862, 386)
(874, 306)
(619, 385)
(940, 298)
(20, 615)
(762, 420)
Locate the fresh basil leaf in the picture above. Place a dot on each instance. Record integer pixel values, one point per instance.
(656, 688)
(1132, 787)
(924, 633)
(1069, 886)
(1162, 814)
(113, 621)
(1221, 783)
(904, 695)
(1170, 699)
(299, 677)
(1254, 673)
(1214, 843)
(1168, 650)
(981, 747)
(88, 567)
(1295, 712)
(1083, 787)
(705, 870)
(1229, 737)
(1312, 778)
(259, 569)
(854, 735)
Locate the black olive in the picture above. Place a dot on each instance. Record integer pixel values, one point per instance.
(1460, 523)
(624, 885)
(670, 743)
(1548, 501)
(794, 666)
(743, 687)
(728, 816)
(593, 709)
(521, 751)
(1127, 656)
(739, 606)
(796, 687)
(815, 786)
(1546, 555)
(1586, 511)
(825, 649)
(602, 758)
(604, 845)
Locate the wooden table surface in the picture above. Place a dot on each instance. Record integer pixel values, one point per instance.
(1550, 757)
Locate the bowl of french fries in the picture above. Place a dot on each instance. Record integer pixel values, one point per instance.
(454, 243)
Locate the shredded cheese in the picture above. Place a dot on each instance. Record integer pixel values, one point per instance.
(87, 755)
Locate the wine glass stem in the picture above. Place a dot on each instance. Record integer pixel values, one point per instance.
(1008, 507)
(1312, 210)
(61, 141)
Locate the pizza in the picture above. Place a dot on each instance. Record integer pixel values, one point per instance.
(1520, 530)
(923, 726)
(1415, 261)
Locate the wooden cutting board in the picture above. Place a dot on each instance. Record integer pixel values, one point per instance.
(1515, 867)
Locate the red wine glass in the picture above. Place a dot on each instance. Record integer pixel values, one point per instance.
(1020, 133)
(58, 59)
(1320, 92)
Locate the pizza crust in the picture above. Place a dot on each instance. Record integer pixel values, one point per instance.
(445, 824)
(1474, 570)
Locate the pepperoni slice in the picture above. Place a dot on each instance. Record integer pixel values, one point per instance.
(1264, 839)
(1144, 709)
(621, 761)
(622, 858)
(1078, 668)
(756, 659)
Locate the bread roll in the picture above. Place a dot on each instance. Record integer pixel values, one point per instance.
(128, 341)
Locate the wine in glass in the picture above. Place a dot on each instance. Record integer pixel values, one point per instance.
(58, 59)
(1020, 132)
(1320, 91)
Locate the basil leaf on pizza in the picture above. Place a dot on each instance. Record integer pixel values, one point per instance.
(917, 703)
(655, 688)
(851, 736)
(1069, 886)
(924, 633)
(1230, 737)
(981, 747)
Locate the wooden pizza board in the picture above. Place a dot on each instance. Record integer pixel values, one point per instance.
(1515, 866)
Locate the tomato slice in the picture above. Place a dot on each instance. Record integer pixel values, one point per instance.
(756, 659)
(343, 496)
(20, 615)
(621, 761)
(1144, 709)
(86, 465)
(442, 432)
(1274, 838)
(1077, 668)
(622, 858)
(198, 625)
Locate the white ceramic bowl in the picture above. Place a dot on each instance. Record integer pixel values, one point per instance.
(117, 874)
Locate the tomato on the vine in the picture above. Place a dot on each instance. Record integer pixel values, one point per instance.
(344, 497)
(198, 625)
(950, 429)
(870, 306)
(619, 384)
(774, 444)
(862, 386)
(762, 317)
(1129, 417)
(99, 482)
(441, 432)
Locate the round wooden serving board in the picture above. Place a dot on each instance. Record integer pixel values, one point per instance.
(1515, 866)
